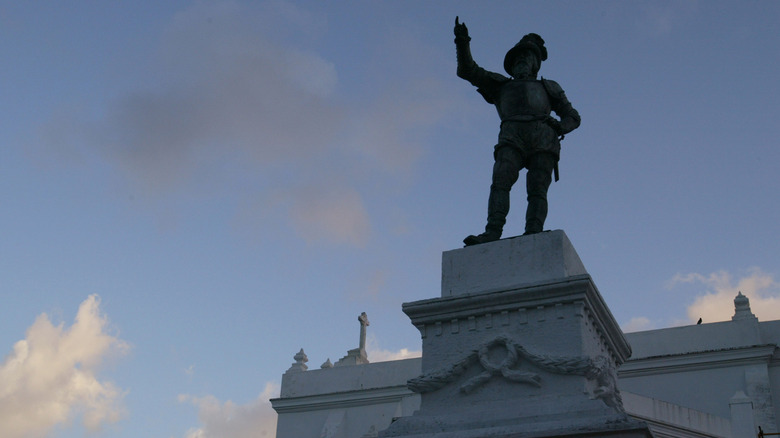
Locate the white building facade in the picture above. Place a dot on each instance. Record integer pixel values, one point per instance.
(706, 380)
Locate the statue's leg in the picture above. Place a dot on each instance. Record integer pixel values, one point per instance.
(538, 180)
(505, 173)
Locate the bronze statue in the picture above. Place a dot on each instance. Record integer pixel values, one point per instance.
(529, 136)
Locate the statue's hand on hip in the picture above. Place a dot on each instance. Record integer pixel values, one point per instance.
(553, 123)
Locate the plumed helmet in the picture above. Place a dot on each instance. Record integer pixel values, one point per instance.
(531, 42)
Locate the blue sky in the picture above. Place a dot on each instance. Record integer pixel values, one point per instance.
(193, 191)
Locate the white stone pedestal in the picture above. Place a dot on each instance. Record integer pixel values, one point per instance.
(520, 344)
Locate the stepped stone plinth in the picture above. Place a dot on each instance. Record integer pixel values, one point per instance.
(520, 344)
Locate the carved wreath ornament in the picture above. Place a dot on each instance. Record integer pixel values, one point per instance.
(598, 369)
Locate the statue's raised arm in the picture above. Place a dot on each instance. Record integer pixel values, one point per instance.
(466, 64)
(485, 81)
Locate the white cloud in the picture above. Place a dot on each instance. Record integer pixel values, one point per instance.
(638, 324)
(716, 303)
(50, 377)
(255, 419)
(387, 355)
(376, 354)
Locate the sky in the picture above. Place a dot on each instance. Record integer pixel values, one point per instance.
(193, 191)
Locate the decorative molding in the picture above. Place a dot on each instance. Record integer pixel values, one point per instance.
(758, 354)
(538, 300)
(337, 400)
(421, 328)
(597, 369)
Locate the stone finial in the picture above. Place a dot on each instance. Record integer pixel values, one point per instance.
(300, 362)
(327, 364)
(742, 308)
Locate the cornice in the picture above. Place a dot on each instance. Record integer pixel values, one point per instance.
(699, 360)
(434, 309)
(579, 288)
(345, 399)
(663, 429)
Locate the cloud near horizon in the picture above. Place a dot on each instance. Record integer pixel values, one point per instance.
(377, 354)
(637, 324)
(51, 376)
(717, 301)
(256, 419)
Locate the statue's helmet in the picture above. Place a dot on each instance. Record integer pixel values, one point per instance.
(532, 42)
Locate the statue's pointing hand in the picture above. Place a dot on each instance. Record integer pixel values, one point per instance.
(461, 31)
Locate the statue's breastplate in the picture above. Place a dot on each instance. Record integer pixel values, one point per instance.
(523, 98)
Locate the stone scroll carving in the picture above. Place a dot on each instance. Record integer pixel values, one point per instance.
(597, 369)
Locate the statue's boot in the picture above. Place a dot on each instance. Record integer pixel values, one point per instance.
(535, 215)
(485, 237)
(498, 208)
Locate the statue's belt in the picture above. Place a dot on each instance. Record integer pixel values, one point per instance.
(526, 118)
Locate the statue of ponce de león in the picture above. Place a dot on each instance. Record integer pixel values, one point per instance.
(529, 138)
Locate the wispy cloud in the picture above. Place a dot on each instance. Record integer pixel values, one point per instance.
(223, 88)
(238, 94)
(51, 376)
(661, 19)
(716, 301)
(331, 213)
(218, 419)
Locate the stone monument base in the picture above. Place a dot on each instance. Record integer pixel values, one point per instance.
(531, 427)
(521, 344)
